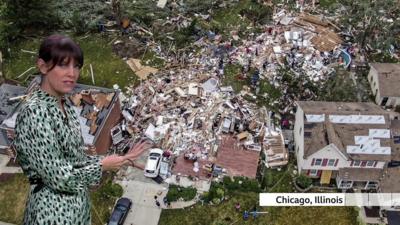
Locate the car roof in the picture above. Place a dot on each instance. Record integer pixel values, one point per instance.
(151, 163)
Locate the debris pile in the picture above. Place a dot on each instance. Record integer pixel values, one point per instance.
(185, 110)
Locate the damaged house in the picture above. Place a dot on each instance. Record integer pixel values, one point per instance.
(349, 142)
(98, 111)
(384, 79)
(9, 99)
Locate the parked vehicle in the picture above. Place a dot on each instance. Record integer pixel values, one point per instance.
(152, 167)
(120, 211)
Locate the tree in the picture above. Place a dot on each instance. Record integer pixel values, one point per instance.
(24, 16)
(372, 22)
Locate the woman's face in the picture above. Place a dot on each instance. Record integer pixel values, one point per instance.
(61, 79)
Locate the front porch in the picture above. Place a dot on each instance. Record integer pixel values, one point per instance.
(358, 178)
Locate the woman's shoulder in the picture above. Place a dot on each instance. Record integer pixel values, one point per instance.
(32, 108)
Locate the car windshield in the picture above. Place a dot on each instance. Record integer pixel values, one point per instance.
(116, 215)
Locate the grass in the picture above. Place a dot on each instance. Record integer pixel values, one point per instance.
(225, 214)
(231, 72)
(108, 68)
(339, 88)
(176, 192)
(13, 194)
(103, 200)
(14, 191)
(278, 181)
(240, 17)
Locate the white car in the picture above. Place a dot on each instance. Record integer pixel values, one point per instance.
(153, 163)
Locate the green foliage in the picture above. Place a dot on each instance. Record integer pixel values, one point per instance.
(231, 72)
(103, 199)
(176, 192)
(186, 35)
(278, 181)
(225, 211)
(241, 184)
(339, 87)
(108, 68)
(13, 194)
(371, 22)
(239, 16)
(79, 23)
(303, 181)
(26, 14)
(216, 192)
(81, 16)
(229, 186)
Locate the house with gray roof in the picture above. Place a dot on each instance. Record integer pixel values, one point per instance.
(384, 79)
(351, 143)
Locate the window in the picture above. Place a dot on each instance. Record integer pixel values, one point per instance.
(357, 163)
(372, 185)
(301, 129)
(313, 172)
(370, 163)
(346, 184)
(331, 162)
(318, 162)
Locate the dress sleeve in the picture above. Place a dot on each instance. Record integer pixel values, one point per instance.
(36, 142)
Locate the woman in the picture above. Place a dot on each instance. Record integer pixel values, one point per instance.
(50, 146)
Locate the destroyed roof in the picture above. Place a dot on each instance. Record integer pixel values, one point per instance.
(360, 174)
(324, 131)
(92, 110)
(388, 78)
(93, 105)
(8, 91)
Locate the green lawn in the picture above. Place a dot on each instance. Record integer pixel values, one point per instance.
(225, 214)
(13, 194)
(108, 68)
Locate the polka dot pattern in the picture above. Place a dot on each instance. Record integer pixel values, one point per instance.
(50, 148)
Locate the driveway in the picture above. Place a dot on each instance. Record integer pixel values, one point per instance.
(141, 190)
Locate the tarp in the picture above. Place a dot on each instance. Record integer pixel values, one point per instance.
(326, 176)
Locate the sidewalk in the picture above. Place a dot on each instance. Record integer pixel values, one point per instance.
(4, 159)
(3, 223)
(144, 209)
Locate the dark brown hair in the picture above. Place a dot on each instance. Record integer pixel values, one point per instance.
(56, 48)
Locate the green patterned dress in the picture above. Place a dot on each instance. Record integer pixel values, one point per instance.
(50, 151)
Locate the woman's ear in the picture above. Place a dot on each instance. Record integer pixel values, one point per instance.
(42, 66)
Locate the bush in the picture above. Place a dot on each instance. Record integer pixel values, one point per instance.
(241, 184)
(216, 191)
(176, 192)
(303, 181)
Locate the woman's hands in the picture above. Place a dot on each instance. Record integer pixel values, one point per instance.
(114, 162)
(137, 150)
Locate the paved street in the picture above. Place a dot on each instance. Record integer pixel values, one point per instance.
(141, 191)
